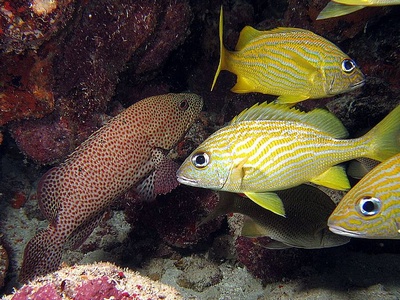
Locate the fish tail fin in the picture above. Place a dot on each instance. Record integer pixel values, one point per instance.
(223, 51)
(42, 255)
(333, 9)
(385, 137)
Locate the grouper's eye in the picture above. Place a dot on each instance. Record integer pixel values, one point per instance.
(348, 65)
(200, 160)
(369, 206)
(184, 105)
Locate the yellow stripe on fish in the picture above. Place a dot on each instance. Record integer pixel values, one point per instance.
(338, 8)
(371, 209)
(257, 156)
(294, 64)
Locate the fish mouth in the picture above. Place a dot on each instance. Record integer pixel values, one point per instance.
(187, 181)
(345, 232)
(357, 84)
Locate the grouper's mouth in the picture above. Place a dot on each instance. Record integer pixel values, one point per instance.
(345, 232)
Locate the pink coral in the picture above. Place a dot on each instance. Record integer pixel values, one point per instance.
(94, 282)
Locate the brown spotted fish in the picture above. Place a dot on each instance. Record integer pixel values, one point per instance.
(127, 152)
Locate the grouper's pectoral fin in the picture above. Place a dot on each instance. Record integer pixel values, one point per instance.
(268, 200)
(334, 178)
(161, 180)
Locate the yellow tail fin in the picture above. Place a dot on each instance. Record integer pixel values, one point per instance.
(221, 47)
(385, 137)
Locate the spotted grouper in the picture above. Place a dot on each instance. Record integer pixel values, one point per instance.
(127, 152)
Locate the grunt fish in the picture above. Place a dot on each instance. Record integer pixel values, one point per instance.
(271, 147)
(305, 226)
(292, 63)
(337, 8)
(127, 152)
(371, 209)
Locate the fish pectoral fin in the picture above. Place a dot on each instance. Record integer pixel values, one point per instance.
(238, 172)
(252, 229)
(290, 99)
(268, 200)
(333, 9)
(243, 85)
(333, 178)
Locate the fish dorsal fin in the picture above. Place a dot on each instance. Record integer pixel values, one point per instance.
(285, 30)
(319, 118)
(247, 34)
(333, 9)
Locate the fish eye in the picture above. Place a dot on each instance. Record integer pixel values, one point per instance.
(348, 65)
(369, 206)
(200, 160)
(184, 104)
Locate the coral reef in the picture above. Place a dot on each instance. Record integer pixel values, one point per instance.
(86, 60)
(78, 75)
(175, 216)
(3, 263)
(27, 24)
(266, 264)
(97, 281)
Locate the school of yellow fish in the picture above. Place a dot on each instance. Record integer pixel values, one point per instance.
(271, 150)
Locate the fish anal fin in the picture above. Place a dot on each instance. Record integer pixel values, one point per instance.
(291, 99)
(333, 178)
(243, 85)
(268, 200)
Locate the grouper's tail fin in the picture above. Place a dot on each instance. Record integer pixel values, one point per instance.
(221, 65)
(385, 137)
(42, 255)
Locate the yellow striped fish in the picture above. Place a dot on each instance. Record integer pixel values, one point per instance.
(292, 63)
(371, 209)
(338, 8)
(271, 147)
